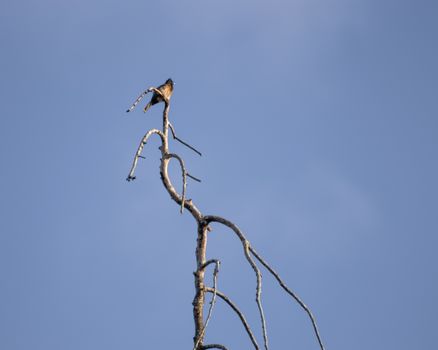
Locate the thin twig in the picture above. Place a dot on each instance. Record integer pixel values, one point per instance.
(193, 178)
(291, 293)
(246, 247)
(143, 94)
(172, 129)
(137, 101)
(258, 293)
(238, 312)
(213, 299)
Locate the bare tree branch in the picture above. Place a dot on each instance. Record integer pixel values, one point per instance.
(139, 98)
(172, 129)
(213, 299)
(291, 293)
(258, 294)
(143, 94)
(209, 262)
(214, 346)
(246, 246)
(238, 312)
(199, 299)
(140, 149)
(193, 178)
(184, 178)
(201, 246)
(188, 204)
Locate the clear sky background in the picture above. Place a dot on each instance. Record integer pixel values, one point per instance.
(318, 126)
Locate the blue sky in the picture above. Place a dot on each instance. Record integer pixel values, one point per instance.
(318, 126)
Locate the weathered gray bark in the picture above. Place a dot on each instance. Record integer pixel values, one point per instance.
(203, 222)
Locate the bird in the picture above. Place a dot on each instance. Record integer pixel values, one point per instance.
(166, 89)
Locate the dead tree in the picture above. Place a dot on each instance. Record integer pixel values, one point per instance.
(203, 226)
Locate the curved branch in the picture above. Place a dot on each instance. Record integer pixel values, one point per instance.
(209, 262)
(188, 204)
(246, 249)
(143, 94)
(184, 177)
(292, 294)
(140, 149)
(214, 346)
(238, 312)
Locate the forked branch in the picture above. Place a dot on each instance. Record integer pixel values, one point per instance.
(203, 229)
(246, 246)
(292, 294)
(213, 299)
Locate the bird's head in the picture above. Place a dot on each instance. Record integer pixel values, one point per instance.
(170, 82)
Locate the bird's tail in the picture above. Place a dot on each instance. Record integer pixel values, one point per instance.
(147, 107)
(137, 101)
